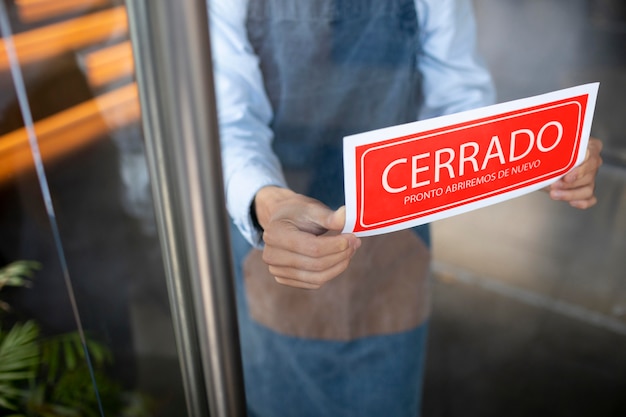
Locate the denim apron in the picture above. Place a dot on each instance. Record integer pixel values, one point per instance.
(355, 347)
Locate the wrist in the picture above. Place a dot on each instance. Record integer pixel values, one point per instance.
(265, 200)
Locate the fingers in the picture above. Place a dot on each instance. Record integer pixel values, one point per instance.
(581, 198)
(584, 204)
(298, 284)
(580, 195)
(308, 279)
(303, 247)
(578, 186)
(336, 220)
(305, 260)
(585, 172)
(289, 237)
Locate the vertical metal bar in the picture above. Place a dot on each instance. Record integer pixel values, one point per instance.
(172, 55)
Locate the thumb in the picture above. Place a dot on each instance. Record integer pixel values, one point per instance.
(336, 220)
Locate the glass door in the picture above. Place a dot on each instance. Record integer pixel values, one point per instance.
(92, 321)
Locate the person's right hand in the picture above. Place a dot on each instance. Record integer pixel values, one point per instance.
(303, 247)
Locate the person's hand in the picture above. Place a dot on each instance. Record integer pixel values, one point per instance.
(303, 247)
(577, 186)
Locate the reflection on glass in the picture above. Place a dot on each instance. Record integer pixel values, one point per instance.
(87, 257)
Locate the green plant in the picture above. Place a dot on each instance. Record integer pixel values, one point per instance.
(17, 274)
(51, 376)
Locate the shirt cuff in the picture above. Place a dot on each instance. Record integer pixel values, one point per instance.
(240, 195)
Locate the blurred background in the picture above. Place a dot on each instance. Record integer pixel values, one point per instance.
(529, 313)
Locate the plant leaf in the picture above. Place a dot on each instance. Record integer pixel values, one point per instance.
(70, 356)
(19, 351)
(17, 273)
(19, 359)
(51, 358)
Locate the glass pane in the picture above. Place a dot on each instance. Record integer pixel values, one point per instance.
(523, 302)
(529, 312)
(86, 218)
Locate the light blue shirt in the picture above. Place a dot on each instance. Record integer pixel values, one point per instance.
(453, 79)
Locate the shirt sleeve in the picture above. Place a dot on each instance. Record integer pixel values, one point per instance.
(454, 78)
(244, 113)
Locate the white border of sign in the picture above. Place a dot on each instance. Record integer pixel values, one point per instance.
(351, 142)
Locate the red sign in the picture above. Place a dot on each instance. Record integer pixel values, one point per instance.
(408, 179)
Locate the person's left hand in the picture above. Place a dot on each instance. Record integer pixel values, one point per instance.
(577, 186)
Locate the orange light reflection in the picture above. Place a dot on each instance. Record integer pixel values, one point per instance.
(52, 40)
(69, 130)
(31, 11)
